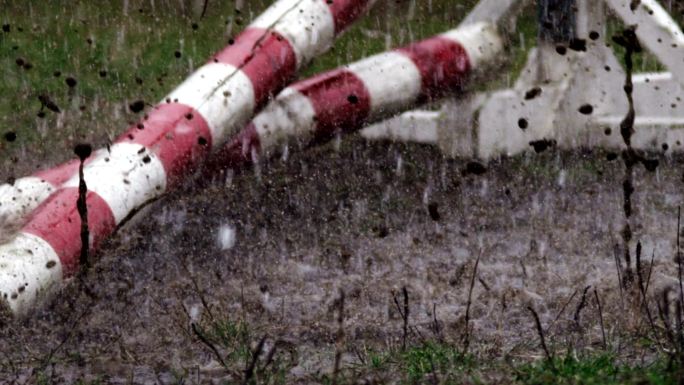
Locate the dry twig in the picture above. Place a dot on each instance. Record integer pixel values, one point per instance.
(339, 338)
(600, 309)
(542, 341)
(466, 334)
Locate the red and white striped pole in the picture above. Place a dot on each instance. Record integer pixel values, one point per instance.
(270, 50)
(345, 99)
(20, 198)
(154, 155)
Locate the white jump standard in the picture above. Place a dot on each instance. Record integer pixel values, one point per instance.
(564, 74)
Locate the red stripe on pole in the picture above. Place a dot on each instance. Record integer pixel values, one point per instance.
(177, 134)
(238, 152)
(59, 174)
(266, 57)
(443, 65)
(340, 99)
(345, 12)
(57, 222)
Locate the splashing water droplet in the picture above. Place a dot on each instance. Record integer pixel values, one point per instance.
(226, 237)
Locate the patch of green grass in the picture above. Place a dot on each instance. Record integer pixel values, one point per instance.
(115, 54)
(234, 341)
(643, 61)
(234, 337)
(600, 369)
(447, 362)
(418, 364)
(438, 362)
(448, 365)
(521, 41)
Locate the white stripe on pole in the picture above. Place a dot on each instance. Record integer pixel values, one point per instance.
(392, 79)
(30, 268)
(126, 177)
(383, 84)
(308, 25)
(222, 94)
(480, 40)
(291, 114)
(19, 199)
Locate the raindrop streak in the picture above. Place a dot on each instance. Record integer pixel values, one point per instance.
(475, 168)
(83, 151)
(629, 41)
(433, 210)
(71, 82)
(226, 237)
(579, 45)
(137, 106)
(10, 136)
(47, 102)
(542, 145)
(586, 109)
(533, 93)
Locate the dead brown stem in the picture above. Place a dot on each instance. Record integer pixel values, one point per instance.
(600, 309)
(200, 335)
(339, 338)
(562, 310)
(618, 268)
(542, 341)
(404, 313)
(580, 306)
(249, 371)
(466, 334)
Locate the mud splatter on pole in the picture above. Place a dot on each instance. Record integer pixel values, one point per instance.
(345, 99)
(172, 139)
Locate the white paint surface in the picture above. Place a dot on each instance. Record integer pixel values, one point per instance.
(413, 126)
(222, 94)
(19, 199)
(123, 179)
(290, 115)
(392, 80)
(307, 24)
(480, 40)
(25, 278)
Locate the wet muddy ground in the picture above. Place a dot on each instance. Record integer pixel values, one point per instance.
(367, 219)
